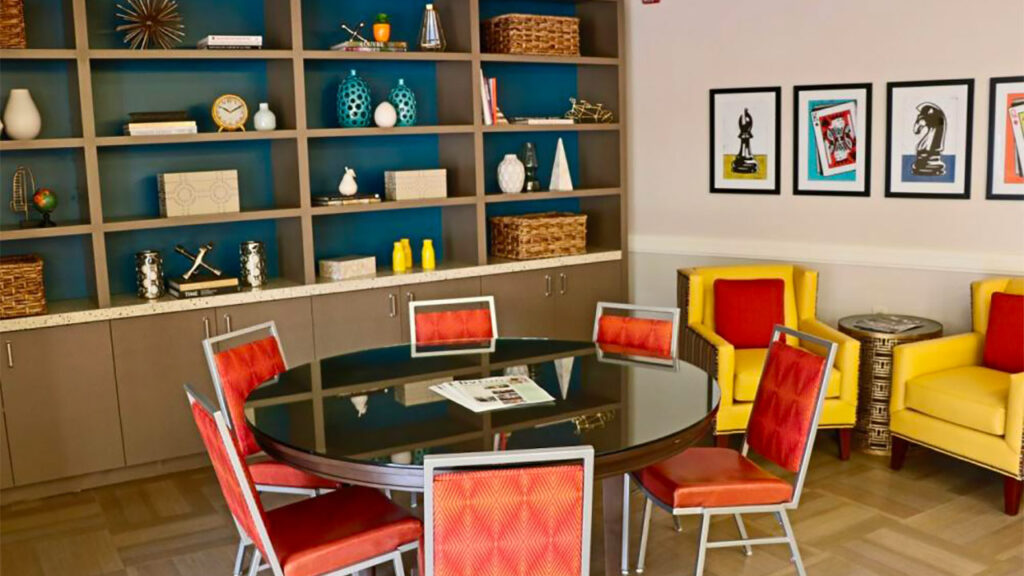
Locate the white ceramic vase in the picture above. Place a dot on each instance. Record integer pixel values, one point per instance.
(511, 175)
(264, 120)
(385, 116)
(21, 117)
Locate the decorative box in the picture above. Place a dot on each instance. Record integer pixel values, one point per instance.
(416, 184)
(347, 267)
(532, 34)
(192, 193)
(21, 286)
(543, 235)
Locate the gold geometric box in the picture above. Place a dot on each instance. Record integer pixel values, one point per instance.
(192, 193)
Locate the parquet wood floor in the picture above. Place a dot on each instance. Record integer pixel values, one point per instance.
(936, 517)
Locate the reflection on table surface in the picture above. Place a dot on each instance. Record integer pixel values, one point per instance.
(376, 405)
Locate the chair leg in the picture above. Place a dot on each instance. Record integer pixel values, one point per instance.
(239, 559)
(784, 520)
(743, 534)
(702, 543)
(721, 440)
(899, 452)
(1011, 495)
(399, 567)
(624, 568)
(257, 559)
(641, 559)
(678, 524)
(845, 434)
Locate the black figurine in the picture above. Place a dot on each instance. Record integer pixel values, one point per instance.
(744, 162)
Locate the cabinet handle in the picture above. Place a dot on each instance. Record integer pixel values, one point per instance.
(563, 281)
(206, 327)
(547, 285)
(227, 321)
(410, 297)
(393, 305)
(10, 354)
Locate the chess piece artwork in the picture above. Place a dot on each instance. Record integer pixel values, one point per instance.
(930, 125)
(745, 163)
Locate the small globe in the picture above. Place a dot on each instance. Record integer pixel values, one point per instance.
(44, 200)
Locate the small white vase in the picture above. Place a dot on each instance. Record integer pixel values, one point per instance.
(21, 117)
(385, 116)
(511, 175)
(264, 120)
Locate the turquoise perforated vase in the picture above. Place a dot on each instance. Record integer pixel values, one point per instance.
(354, 105)
(404, 101)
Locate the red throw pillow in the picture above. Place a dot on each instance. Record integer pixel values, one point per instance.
(747, 310)
(1004, 339)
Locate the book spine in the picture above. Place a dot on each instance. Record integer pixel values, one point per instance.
(492, 84)
(160, 131)
(485, 100)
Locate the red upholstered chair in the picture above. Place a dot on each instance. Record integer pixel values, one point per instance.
(341, 532)
(514, 513)
(711, 481)
(236, 372)
(640, 332)
(453, 325)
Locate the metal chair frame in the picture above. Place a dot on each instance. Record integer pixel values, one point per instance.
(673, 312)
(432, 464)
(415, 346)
(393, 557)
(779, 510)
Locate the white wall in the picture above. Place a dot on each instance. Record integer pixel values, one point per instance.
(907, 255)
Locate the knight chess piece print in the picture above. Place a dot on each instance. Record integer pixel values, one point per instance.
(745, 140)
(832, 139)
(929, 139)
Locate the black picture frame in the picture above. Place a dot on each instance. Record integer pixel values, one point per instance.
(990, 182)
(712, 147)
(866, 192)
(969, 137)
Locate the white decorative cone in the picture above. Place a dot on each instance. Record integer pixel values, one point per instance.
(561, 179)
(563, 369)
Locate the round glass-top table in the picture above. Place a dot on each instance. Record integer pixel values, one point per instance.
(369, 417)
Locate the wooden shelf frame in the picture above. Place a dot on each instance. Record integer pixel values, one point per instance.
(610, 202)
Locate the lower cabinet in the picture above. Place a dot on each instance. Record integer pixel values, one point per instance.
(461, 288)
(6, 476)
(155, 356)
(353, 321)
(294, 320)
(579, 289)
(60, 402)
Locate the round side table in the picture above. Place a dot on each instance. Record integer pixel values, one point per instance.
(875, 383)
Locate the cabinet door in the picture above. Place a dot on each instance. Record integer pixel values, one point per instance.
(61, 402)
(579, 289)
(6, 477)
(294, 320)
(155, 357)
(461, 288)
(356, 321)
(525, 302)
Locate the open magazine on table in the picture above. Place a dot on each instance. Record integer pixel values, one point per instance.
(888, 324)
(486, 394)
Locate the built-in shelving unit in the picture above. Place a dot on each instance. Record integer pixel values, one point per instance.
(85, 82)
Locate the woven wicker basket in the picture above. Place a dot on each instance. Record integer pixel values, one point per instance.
(12, 24)
(541, 235)
(532, 34)
(21, 286)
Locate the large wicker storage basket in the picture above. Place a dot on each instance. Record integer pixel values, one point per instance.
(12, 24)
(21, 286)
(532, 34)
(543, 235)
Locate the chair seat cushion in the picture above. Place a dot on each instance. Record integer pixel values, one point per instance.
(713, 477)
(971, 396)
(1004, 337)
(271, 473)
(320, 535)
(748, 365)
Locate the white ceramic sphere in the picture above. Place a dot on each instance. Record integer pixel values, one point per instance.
(385, 116)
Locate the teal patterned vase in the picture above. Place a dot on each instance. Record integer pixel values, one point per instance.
(404, 101)
(354, 106)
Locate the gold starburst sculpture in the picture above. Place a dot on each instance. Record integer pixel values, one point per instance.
(151, 23)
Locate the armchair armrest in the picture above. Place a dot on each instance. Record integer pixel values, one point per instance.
(712, 353)
(1015, 417)
(847, 356)
(919, 358)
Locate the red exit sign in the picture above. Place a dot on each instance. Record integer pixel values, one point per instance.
(651, 1)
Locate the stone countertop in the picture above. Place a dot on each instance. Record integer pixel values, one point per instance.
(130, 306)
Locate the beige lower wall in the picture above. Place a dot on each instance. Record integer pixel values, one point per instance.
(843, 289)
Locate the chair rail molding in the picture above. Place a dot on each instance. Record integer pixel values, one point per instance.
(845, 254)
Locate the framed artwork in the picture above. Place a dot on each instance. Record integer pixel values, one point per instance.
(832, 134)
(928, 134)
(1006, 139)
(745, 140)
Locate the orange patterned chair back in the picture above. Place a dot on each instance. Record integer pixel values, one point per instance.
(453, 321)
(528, 517)
(636, 330)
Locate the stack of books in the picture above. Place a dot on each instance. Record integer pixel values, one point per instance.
(203, 285)
(489, 99)
(230, 42)
(339, 200)
(159, 123)
(357, 46)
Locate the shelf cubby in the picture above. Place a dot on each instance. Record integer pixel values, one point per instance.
(49, 25)
(280, 237)
(60, 170)
(593, 156)
(594, 83)
(603, 217)
(124, 86)
(53, 85)
(599, 28)
(68, 266)
(269, 18)
(322, 20)
(267, 174)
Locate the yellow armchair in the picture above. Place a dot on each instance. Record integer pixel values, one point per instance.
(739, 371)
(945, 399)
